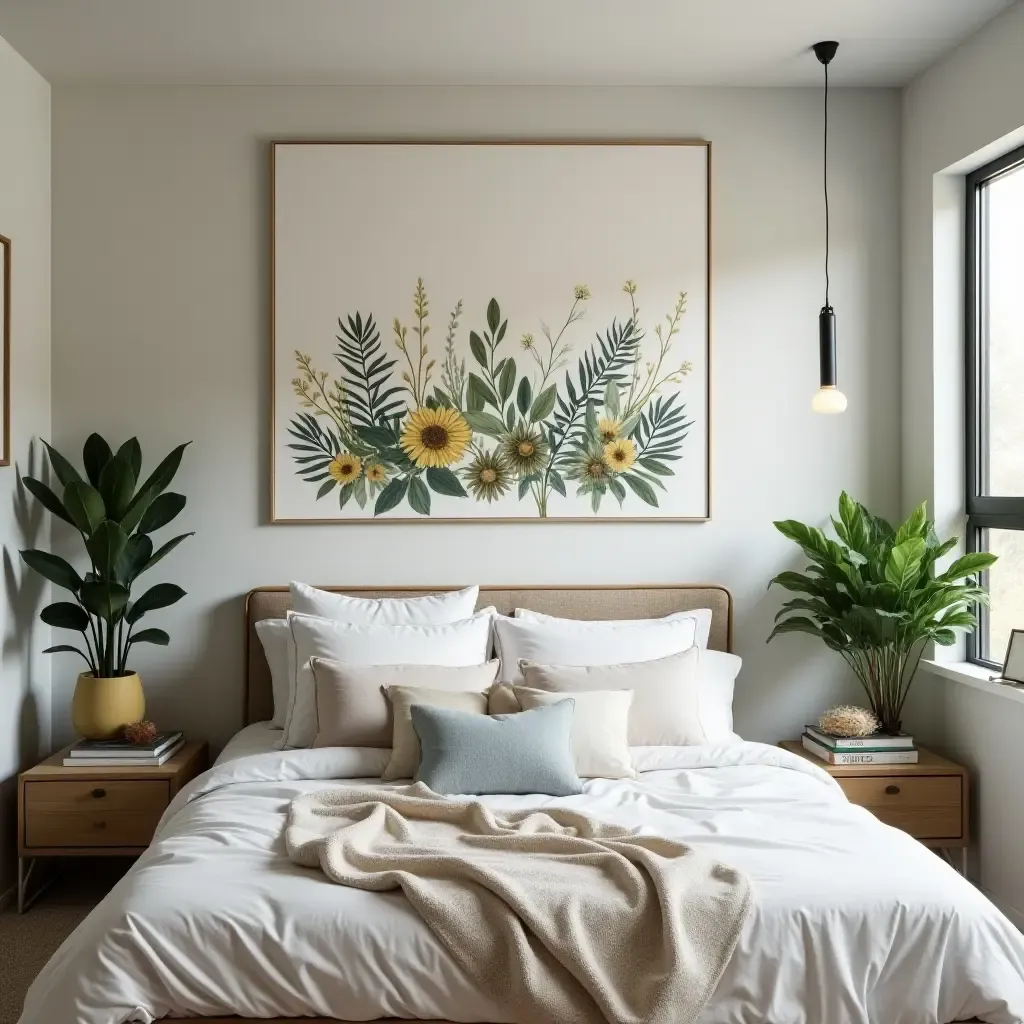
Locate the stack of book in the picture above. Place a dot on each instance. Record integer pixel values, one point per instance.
(877, 749)
(120, 753)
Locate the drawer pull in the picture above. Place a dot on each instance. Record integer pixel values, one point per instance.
(892, 790)
(99, 793)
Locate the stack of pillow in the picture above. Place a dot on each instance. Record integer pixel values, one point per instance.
(564, 699)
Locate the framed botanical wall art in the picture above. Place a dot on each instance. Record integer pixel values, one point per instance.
(5, 350)
(490, 331)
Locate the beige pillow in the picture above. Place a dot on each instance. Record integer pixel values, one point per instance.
(600, 729)
(502, 700)
(352, 706)
(665, 709)
(405, 744)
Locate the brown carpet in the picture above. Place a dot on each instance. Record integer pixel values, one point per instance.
(28, 940)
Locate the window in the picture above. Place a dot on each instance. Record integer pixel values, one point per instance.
(995, 395)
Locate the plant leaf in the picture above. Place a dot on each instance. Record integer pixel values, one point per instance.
(391, 496)
(969, 565)
(493, 316)
(62, 469)
(797, 624)
(904, 564)
(326, 487)
(160, 478)
(558, 484)
(162, 510)
(85, 506)
(641, 488)
(524, 395)
(137, 552)
(53, 568)
(444, 481)
(507, 380)
(477, 347)
(161, 596)
(163, 551)
(104, 599)
(150, 636)
(611, 399)
(65, 615)
(485, 423)
(96, 454)
(419, 496)
(47, 498)
(117, 485)
(132, 451)
(68, 649)
(106, 545)
(478, 394)
(544, 403)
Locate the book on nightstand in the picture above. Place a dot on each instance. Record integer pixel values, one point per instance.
(861, 756)
(854, 744)
(120, 753)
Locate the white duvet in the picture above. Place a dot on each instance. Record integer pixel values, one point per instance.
(853, 922)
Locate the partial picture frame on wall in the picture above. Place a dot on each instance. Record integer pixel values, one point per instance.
(5, 354)
(501, 331)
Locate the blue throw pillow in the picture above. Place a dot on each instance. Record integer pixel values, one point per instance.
(529, 752)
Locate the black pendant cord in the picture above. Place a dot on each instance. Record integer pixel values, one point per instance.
(824, 163)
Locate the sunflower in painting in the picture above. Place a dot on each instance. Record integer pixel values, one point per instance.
(609, 429)
(620, 455)
(435, 437)
(345, 468)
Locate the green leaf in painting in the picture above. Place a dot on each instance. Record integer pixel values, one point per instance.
(611, 399)
(641, 488)
(501, 333)
(391, 496)
(524, 395)
(359, 492)
(510, 418)
(478, 348)
(485, 423)
(654, 466)
(507, 381)
(615, 486)
(444, 481)
(556, 481)
(419, 496)
(544, 403)
(478, 394)
(493, 316)
(344, 496)
(377, 437)
(96, 454)
(325, 488)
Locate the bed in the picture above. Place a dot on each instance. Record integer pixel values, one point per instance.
(853, 921)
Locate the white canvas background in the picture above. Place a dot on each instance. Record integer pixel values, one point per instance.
(356, 224)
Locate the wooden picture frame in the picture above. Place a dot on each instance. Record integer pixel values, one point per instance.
(326, 267)
(5, 344)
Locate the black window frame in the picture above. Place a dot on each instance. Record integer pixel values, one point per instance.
(983, 511)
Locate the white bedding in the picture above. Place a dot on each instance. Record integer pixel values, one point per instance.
(853, 922)
(258, 738)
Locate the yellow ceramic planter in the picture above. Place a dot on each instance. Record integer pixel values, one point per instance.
(101, 708)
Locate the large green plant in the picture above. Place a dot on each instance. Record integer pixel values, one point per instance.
(875, 597)
(115, 517)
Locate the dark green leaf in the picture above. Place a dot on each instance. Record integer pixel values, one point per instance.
(444, 481)
(84, 505)
(419, 496)
(797, 583)
(53, 568)
(507, 380)
(544, 403)
(557, 483)
(162, 511)
(391, 496)
(68, 649)
(163, 551)
(501, 332)
(96, 454)
(615, 486)
(510, 418)
(641, 488)
(160, 596)
(62, 469)
(160, 478)
(132, 451)
(524, 395)
(493, 316)
(151, 636)
(798, 624)
(136, 510)
(478, 394)
(65, 615)
(485, 423)
(105, 546)
(377, 437)
(103, 599)
(47, 498)
(325, 488)
(477, 347)
(117, 485)
(654, 466)
(137, 552)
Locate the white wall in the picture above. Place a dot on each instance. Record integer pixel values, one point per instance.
(160, 329)
(963, 111)
(25, 219)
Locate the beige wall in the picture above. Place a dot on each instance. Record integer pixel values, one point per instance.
(25, 219)
(160, 330)
(963, 111)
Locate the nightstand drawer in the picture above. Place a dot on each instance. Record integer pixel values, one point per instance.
(926, 806)
(93, 813)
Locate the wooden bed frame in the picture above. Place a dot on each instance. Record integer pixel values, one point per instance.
(580, 602)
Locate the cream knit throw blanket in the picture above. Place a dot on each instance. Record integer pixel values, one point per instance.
(556, 916)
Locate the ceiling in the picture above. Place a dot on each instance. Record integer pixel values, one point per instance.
(570, 42)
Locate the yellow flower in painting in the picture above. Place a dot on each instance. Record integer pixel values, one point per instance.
(620, 455)
(375, 473)
(582, 292)
(435, 437)
(608, 429)
(344, 468)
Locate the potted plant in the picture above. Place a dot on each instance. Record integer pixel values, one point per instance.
(875, 597)
(115, 517)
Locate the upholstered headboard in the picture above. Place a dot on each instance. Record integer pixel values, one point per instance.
(583, 602)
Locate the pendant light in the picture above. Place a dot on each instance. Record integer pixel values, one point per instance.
(828, 398)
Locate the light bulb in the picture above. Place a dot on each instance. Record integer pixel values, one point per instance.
(828, 399)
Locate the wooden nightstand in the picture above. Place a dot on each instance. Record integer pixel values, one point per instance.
(927, 799)
(95, 812)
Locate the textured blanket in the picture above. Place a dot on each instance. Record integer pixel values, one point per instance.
(557, 916)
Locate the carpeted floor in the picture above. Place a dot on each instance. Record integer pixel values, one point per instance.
(28, 940)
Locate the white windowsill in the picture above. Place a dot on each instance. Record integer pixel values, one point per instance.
(975, 676)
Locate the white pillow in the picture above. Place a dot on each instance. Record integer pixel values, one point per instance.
(716, 680)
(428, 610)
(467, 642)
(600, 719)
(573, 642)
(701, 615)
(275, 636)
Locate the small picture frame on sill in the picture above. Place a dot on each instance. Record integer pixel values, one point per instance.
(1013, 665)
